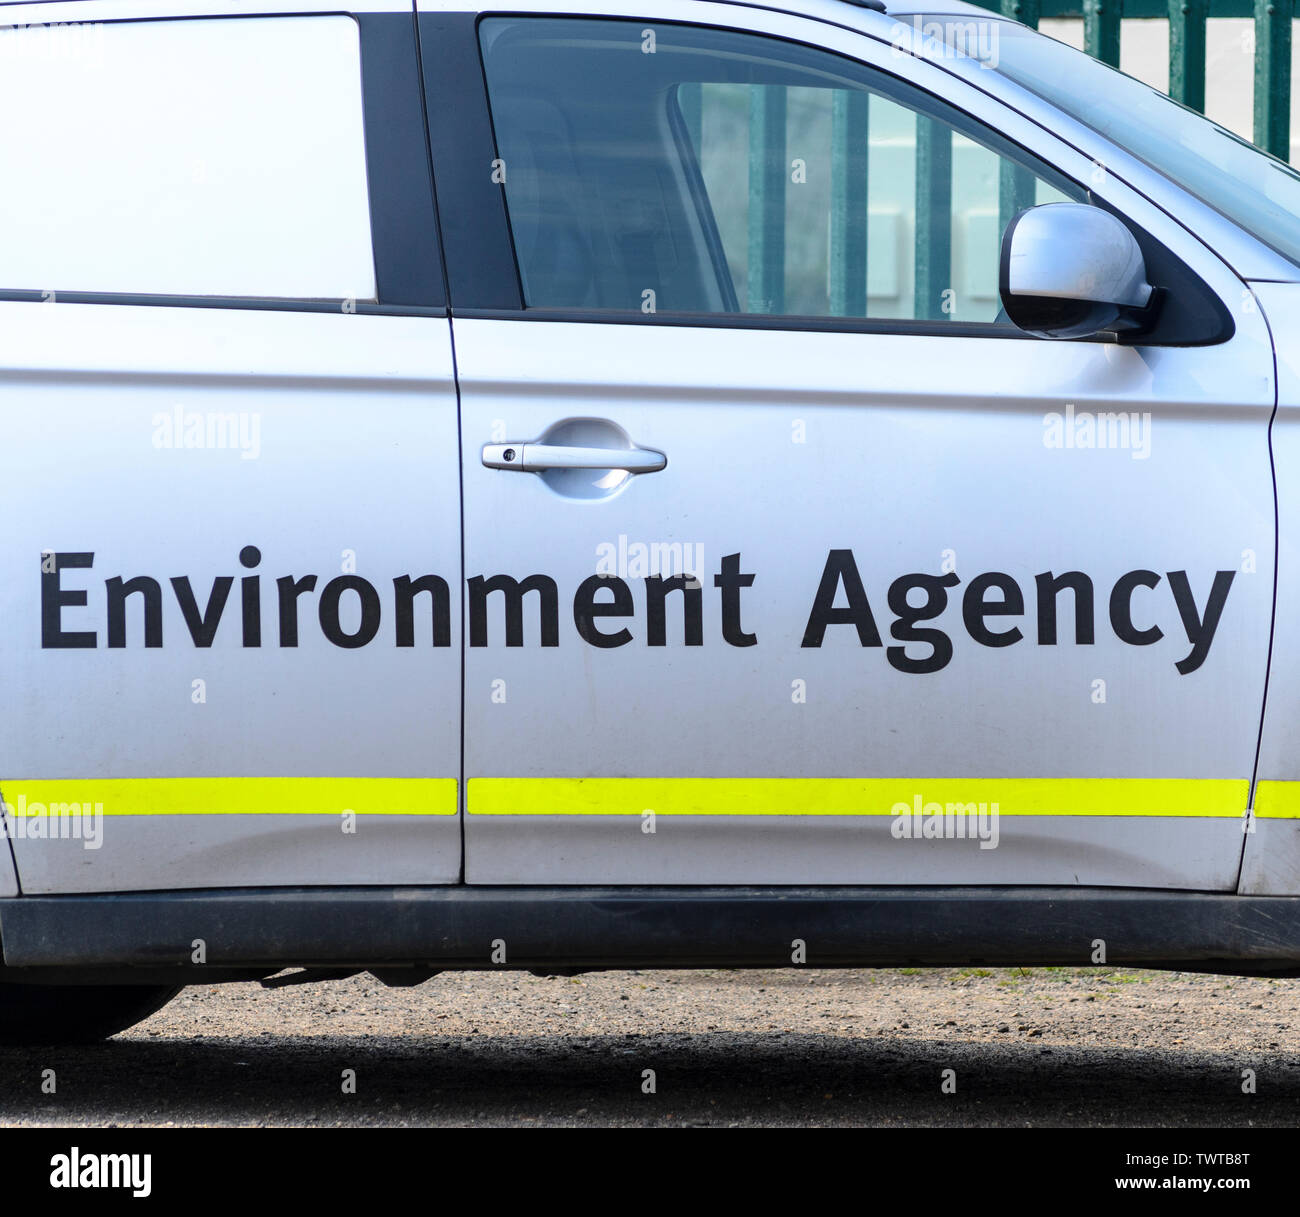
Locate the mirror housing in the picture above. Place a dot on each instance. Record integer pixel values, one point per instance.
(1069, 270)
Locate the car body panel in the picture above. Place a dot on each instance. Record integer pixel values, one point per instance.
(96, 467)
(918, 446)
(8, 875)
(720, 712)
(1271, 864)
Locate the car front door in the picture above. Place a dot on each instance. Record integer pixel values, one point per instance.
(789, 560)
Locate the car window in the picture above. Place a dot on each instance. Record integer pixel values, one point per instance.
(684, 169)
(211, 157)
(1248, 185)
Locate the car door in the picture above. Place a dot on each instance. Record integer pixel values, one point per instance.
(231, 497)
(1271, 859)
(788, 560)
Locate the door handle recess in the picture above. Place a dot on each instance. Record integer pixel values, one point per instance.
(535, 458)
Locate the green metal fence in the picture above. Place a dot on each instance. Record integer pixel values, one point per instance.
(932, 258)
(1101, 38)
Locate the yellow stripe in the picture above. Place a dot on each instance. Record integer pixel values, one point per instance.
(853, 796)
(1276, 800)
(236, 796)
(1165, 797)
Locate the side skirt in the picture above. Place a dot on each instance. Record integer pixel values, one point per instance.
(592, 928)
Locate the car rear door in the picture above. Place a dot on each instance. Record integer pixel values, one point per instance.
(232, 488)
(788, 561)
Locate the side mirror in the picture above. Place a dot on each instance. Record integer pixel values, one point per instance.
(1069, 271)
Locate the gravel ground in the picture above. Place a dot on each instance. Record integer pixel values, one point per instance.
(789, 1047)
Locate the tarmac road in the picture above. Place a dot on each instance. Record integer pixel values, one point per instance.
(790, 1047)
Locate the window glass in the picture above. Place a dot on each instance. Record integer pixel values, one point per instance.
(682, 169)
(1245, 183)
(196, 157)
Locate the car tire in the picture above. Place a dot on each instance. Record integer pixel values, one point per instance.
(75, 1014)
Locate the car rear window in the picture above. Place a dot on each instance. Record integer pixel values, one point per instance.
(217, 157)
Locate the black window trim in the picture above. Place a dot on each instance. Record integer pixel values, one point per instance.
(792, 322)
(482, 270)
(481, 285)
(694, 172)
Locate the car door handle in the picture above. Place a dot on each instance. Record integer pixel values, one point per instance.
(534, 458)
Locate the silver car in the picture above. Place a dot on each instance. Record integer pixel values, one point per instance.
(648, 483)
